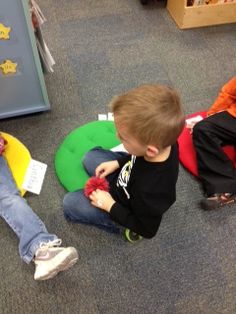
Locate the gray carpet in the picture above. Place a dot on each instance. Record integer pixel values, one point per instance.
(101, 48)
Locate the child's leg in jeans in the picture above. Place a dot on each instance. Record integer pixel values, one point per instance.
(77, 206)
(34, 240)
(30, 230)
(98, 155)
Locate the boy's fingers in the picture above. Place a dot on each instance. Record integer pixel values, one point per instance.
(98, 172)
(102, 174)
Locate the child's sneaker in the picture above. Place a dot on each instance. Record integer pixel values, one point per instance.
(218, 200)
(50, 260)
(131, 236)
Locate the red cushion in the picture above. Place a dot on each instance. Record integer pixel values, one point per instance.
(187, 154)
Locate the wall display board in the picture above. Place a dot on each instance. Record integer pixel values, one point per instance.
(22, 86)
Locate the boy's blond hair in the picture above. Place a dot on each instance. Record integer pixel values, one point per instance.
(152, 113)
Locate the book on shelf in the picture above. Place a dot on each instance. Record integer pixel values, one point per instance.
(205, 2)
(38, 19)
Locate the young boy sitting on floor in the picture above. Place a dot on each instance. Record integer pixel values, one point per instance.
(35, 243)
(216, 171)
(148, 121)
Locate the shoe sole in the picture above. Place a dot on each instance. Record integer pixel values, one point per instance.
(128, 239)
(211, 206)
(62, 263)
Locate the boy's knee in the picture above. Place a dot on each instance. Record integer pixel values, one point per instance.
(90, 160)
(73, 207)
(87, 158)
(67, 202)
(67, 207)
(70, 203)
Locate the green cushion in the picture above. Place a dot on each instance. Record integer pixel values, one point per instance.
(68, 159)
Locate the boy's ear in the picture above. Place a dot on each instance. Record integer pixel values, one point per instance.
(152, 151)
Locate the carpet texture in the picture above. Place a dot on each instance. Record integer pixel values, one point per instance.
(102, 48)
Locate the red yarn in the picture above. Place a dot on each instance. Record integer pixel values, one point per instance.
(95, 183)
(3, 144)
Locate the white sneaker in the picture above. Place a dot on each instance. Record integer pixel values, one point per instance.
(50, 260)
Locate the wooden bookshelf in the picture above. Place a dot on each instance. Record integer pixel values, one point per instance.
(202, 15)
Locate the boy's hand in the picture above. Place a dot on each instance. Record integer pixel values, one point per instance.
(102, 199)
(191, 122)
(106, 168)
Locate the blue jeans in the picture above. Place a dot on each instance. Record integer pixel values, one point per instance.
(77, 206)
(30, 230)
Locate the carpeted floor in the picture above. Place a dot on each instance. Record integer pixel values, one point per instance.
(103, 48)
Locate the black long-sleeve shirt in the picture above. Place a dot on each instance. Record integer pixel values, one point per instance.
(143, 191)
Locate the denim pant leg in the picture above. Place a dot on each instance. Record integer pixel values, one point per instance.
(77, 206)
(98, 155)
(30, 230)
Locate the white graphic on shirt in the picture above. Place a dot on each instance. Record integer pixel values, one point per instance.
(123, 178)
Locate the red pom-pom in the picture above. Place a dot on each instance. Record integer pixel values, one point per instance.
(95, 183)
(3, 144)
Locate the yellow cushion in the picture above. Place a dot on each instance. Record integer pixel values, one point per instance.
(18, 158)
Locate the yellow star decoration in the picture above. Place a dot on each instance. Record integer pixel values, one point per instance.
(4, 31)
(8, 67)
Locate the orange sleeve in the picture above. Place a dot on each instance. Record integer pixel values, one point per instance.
(226, 99)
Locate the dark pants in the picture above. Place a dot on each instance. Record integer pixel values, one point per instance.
(216, 171)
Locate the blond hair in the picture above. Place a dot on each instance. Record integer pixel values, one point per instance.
(152, 113)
